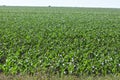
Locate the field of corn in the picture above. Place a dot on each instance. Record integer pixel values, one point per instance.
(73, 41)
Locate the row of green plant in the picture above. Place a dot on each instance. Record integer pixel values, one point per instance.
(73, 41)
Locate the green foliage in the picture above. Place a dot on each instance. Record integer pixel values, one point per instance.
(59, 40)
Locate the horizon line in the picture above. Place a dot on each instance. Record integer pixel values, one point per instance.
(57, 6)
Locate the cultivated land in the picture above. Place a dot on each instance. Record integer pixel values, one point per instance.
(64, 41)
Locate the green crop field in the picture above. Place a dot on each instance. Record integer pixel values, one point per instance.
(73, 41)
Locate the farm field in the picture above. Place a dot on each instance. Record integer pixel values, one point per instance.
(58, 40)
